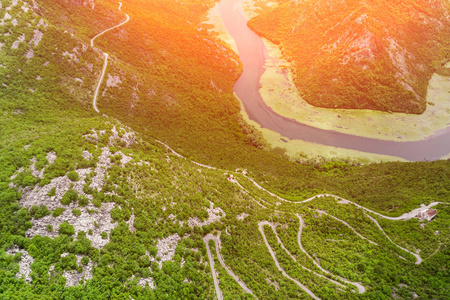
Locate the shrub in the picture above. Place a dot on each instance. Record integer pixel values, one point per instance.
(73, 175)
(76, 212)
(58, 211)
(44, 181)
(83, 201)
(70, 196)
(87, 189)
(97, 203)
(66, 228)
(52, 192)
(28, 180)
(39, 211)
(116, 214)
(85, 260)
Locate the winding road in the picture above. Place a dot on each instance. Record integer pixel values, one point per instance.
(216, 240)
(209, 237)
(277, 264)
(403, 217)
(418, 258)
(360, 287)
(105, 62)
(343, 222)
(213, 270)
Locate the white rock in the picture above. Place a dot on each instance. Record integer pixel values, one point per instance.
(24, 264)
(166, 248)
(87, 155)
(147, 281)
(21, 38)
(214, 215)
(37, 37)
(74, 278)
(242, 216)
(103, 165)
(51, 157)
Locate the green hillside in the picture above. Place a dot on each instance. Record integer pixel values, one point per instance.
(96, 206)
(372, 54)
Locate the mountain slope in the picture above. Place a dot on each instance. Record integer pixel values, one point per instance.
(361, 54)
(91, 208)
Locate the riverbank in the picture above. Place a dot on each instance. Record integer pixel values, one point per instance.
(215, 25)
(305, 151)
(280, 94)
(296, 149)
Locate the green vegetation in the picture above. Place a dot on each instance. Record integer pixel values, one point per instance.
(69, 197)
(38, 212)
(52, 192)
(365, 55)
(72, 175)
(83, 201)
(66, 228)
(134, 207)
(58, 211)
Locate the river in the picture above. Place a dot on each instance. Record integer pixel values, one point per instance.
(253, 54)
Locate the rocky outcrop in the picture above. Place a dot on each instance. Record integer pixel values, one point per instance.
(24, 264)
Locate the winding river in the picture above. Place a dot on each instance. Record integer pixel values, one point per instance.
(253, 54)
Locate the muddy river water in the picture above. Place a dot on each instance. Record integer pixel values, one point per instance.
(253, 54)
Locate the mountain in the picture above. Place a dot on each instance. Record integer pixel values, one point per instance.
(128, 203)
(361, 54)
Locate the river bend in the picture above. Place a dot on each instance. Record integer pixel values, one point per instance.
(253, 54)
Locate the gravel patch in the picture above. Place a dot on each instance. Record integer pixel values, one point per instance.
(93, 137)
(35, 172)
(39, 195)
(87, 155)
(24, 264)
(74, 278)
(84, 222)
(113, 81)
(214, 215)
(16, 173)
(29, 55)
(130, 223)
(20, 39)
(42, 23)
(242, 216)
(147, 281)
(128, 137)
(103, 164)
(37, 37)
(166, 248)
(51, 157)
(7, 17)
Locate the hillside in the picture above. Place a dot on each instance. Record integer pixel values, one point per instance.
(98, 206)
(370, 54)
